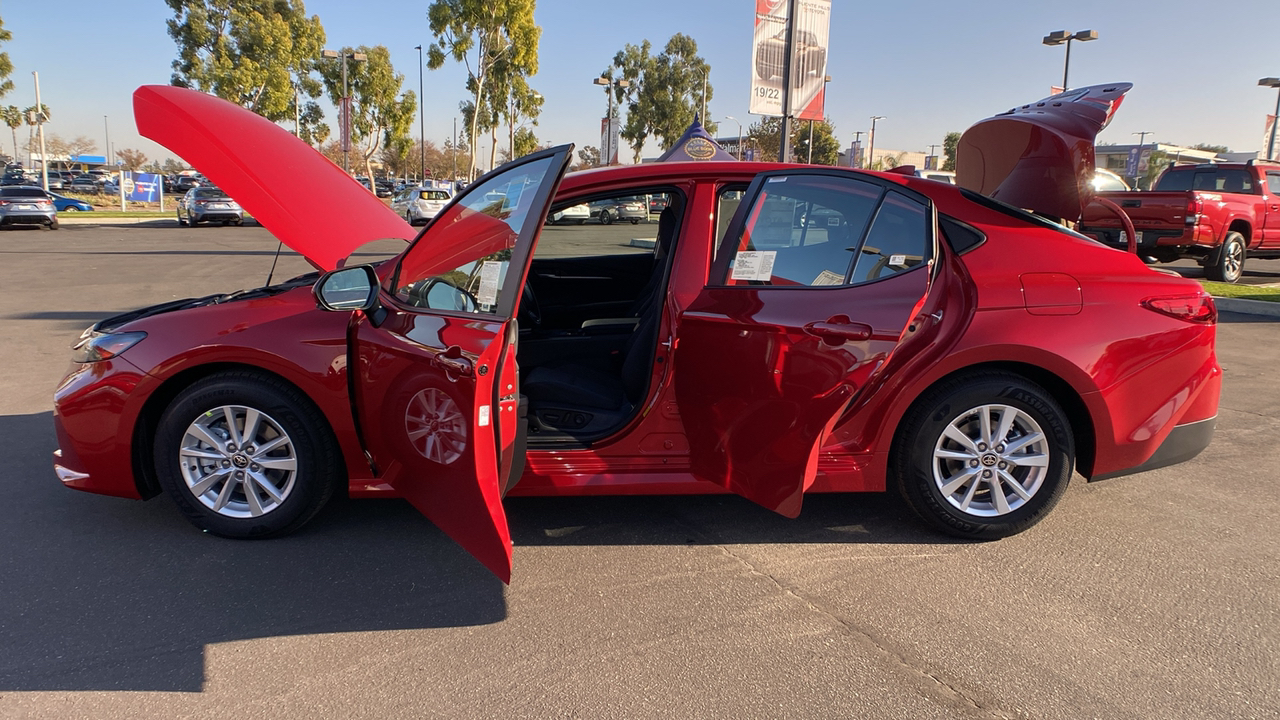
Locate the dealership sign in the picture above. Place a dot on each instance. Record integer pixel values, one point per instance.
(146, 187)
(808, 61)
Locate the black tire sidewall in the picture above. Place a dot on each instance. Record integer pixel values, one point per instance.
(317, 460)
(923, 425)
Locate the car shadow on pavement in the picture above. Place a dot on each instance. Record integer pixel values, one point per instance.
(101, 593)
(1240, 318)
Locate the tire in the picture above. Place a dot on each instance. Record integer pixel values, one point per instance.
(1227, 264)
(53, 225)
(294, 477)
(949, 483)
(70, 208)
(635, 221)
(181, 222)
(606, 218)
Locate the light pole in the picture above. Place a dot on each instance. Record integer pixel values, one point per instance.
(730, 117)
(106, 150)
(345, 109)
(422, 133)
(511, 123)
(705, 71)
(931, 155)
(1059, 37)
(857, 143)
(825, 80)
(871, 141)
(1271, 142)
(608, 119)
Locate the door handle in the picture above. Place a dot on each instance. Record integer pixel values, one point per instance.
(452, 360)
(839, 330)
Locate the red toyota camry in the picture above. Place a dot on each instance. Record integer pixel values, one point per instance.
(774, 330)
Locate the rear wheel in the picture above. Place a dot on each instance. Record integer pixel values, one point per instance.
(70, 208)
(245, 456)
(605, 217)
(1227, 265)
(984, 456)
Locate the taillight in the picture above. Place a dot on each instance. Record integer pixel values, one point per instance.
(1195, 206)
(1198, 308)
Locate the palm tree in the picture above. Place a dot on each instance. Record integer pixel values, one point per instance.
(12, 117)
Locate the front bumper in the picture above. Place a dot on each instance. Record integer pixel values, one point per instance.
(95, 410)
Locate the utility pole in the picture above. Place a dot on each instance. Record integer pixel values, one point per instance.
(422, 133)
(788, 67)
(857, 141)
(344, 108)
(44, 161)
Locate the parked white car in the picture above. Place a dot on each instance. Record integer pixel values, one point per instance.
(418, 204)
(578, 214)
(945, 176)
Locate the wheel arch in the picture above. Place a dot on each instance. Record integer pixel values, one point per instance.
(144, 431)
(1242, 226)
(1080, 419)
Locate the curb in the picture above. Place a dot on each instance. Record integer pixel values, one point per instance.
(87, 219)
(1247, 307)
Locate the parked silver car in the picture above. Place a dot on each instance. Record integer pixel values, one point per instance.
(632, 209)
(417, 205)
(27, 205)
(208, 204)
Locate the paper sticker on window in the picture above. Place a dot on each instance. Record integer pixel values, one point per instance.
(897, 260)
(826, 277)
(482, 415)
(490, 274)
(753, 265)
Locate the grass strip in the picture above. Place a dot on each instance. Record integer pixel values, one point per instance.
(1244, 292)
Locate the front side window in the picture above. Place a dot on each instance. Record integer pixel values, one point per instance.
(461, 264)
(1273, 183)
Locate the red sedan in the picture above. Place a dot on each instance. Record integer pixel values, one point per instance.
(781, 329)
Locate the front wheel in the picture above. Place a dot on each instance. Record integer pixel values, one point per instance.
(1227, 265)
(181, 222)
(606, 218)
(246, 456)
(984, 456)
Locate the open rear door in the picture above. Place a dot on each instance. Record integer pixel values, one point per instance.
(436, 386)
(812, 290)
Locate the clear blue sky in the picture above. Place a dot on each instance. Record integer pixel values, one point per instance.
(928, 66)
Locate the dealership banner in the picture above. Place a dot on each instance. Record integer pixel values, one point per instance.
(609, 141)
(142, 187)
(809, 60)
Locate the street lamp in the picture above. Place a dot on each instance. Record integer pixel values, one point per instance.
(1271, 142)
(826, 79)
(730, 117)
(608, 119)
(871, 142)
(422, 133)
(346, 102)
(1059, 37)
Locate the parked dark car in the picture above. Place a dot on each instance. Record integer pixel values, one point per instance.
(86, 183)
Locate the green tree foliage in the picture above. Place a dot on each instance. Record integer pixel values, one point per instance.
(950, 145)
(588, 157)
(665, 92)
(13, 117)
(380, 116)
(132, 159)
(6, 66)
(259, 55)
(765, 135)
(826, 149)
(491, 38)
(525, 142)
(1219, 149)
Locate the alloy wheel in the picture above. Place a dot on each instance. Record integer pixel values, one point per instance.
(990, 460)
(238, 461)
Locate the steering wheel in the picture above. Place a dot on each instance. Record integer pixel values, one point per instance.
(530, 314)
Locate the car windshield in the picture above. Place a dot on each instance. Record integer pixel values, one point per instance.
(22, 192)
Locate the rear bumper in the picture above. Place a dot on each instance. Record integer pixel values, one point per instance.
(28, 218)
(1183, 443)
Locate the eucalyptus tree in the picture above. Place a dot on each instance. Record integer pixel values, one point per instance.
(380, 114)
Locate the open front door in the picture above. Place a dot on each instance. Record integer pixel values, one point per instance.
(813, 287)
(433, 368)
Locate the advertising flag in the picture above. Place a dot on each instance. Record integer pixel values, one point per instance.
(808, 61)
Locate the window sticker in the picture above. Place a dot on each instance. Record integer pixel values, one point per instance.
(754, 265)
(898, 260)
(826, 277)
(490, 274)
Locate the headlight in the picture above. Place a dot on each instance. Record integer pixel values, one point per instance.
(95, 347)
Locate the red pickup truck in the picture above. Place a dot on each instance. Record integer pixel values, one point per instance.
(1216, 213)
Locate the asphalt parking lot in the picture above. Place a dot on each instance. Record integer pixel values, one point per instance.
(1150, 596)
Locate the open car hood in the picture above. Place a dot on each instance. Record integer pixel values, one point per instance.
(305, 200)
(1040, 156)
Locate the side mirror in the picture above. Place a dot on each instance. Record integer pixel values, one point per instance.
(352, 288)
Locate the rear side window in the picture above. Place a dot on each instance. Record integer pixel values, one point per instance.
(822, 231)
(1273, 183)
(1231, 180)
